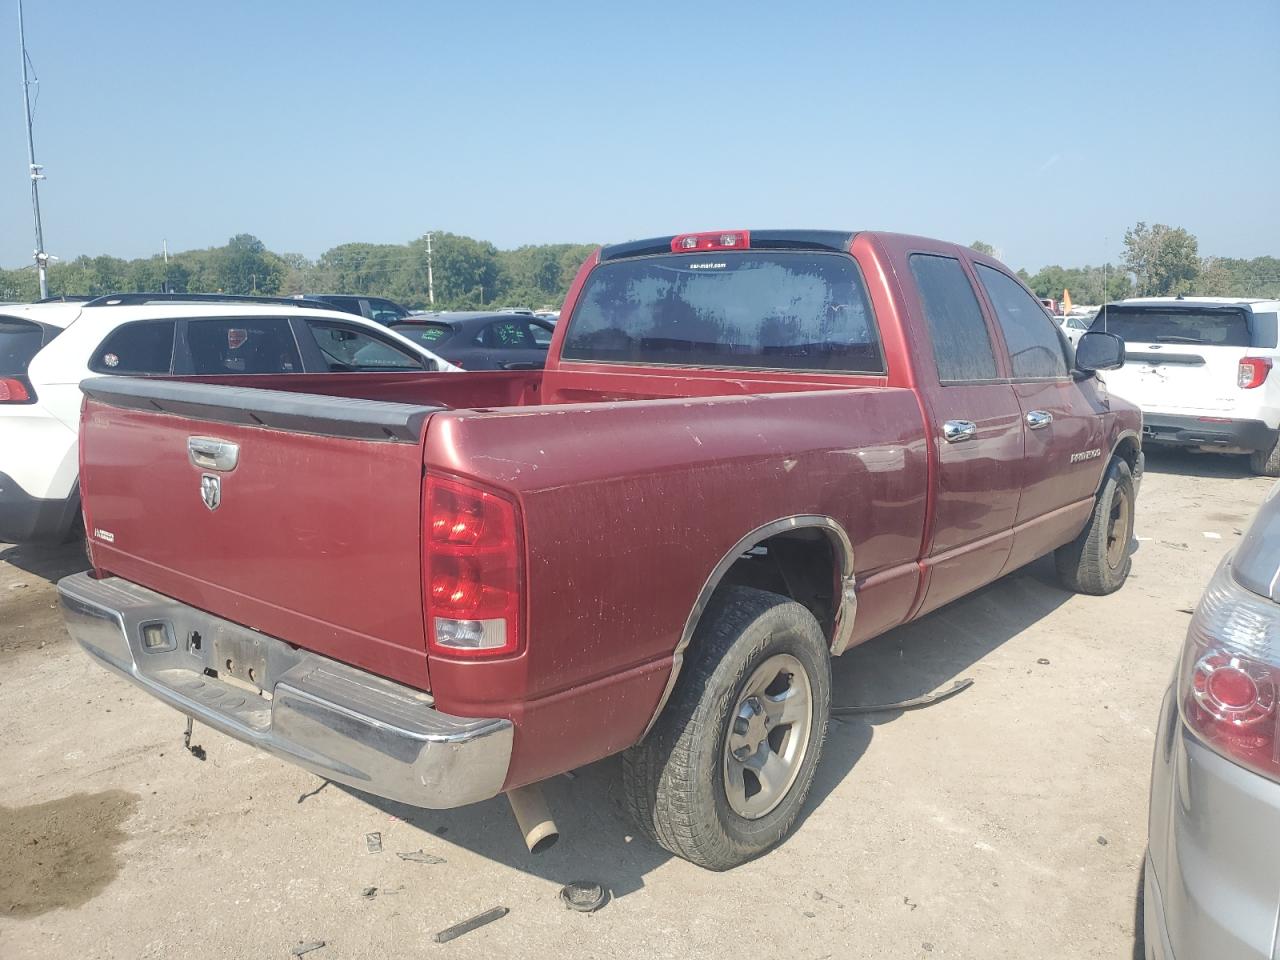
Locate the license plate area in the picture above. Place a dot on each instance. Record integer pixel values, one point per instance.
(240, 657)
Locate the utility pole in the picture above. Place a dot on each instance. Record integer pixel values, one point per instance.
(431, 283)
(35, 170)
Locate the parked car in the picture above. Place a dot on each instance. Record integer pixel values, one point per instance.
(47, 349)
(1073, 326)
(1211, 884)
(379, 309)
(482, 341)
(748, 452)
(1200, 369)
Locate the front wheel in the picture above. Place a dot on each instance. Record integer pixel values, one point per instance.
(1098, 561)
(723, 774)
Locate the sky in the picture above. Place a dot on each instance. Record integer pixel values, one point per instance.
(1043, 129)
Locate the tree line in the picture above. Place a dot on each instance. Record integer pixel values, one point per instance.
(1159, 261)
(467, 273)
(470, 273)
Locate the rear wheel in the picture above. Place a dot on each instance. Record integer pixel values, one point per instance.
(1098, 561)
(1266, 463)
(723, 774)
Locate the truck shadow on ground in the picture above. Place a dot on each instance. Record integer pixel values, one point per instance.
(1188, 463)
(598, 842)
(50, 562)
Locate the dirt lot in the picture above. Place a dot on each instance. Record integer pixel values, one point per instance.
(1007, 822)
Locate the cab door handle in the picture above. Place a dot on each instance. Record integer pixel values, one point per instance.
(1037, 419)
(955, 431)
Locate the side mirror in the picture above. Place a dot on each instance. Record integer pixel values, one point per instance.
(1098, 351)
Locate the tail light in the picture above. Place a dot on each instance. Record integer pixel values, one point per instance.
(1230, 674)
(716, 240)
(1253, 372)
(14, 390)
(472, 570)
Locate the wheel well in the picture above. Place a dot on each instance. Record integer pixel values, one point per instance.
(800, 564)
(1127, 450)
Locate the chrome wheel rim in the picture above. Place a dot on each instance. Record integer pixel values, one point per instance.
(768, 736)
(1118, 530)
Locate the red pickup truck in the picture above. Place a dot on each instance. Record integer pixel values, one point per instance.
(748, 451)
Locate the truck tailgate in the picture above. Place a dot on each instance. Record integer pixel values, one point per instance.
(287, 543)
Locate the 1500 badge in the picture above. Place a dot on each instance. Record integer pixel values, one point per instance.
(1093, 454)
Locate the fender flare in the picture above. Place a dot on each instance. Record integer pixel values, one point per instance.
(842, 630)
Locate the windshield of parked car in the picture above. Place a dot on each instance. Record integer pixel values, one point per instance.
(20, 340)
(1213, 327)
(760, 309)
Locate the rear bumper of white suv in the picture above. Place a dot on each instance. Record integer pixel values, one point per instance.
(1207, 432)
(25, 518)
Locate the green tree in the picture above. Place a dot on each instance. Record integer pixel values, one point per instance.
(1164, 260)
(981, 246)
(245, 266)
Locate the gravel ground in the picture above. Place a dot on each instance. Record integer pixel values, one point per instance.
(1009, 821)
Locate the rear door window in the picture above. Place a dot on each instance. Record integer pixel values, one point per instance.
(961, 342)
(1035, 346)
(348, 348)
(20, 341)
(743, 309)
(1211, 327)
(541, 333)
(242, 345)
(506, 335)
(139, 348)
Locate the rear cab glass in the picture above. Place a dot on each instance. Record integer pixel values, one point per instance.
(737, 309)
(1197, 325)
(20, 341)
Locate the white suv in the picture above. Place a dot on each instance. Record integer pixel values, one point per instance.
(1201, 370)
(46, 349)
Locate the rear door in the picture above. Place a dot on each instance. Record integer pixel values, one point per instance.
(509, 344)
(1180, 360)
(293, 514)
(977, 429)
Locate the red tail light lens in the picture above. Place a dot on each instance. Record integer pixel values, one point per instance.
(13, 390)
(1253, 372)
(715, 240)
(473, 570)
(1230, 674)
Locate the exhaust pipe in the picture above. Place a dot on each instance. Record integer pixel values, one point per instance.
(529, 807)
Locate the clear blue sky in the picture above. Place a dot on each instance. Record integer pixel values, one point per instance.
(1044, 129)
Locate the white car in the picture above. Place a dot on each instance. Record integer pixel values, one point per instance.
(46, 349)
(1074, 326)
(1201, 369)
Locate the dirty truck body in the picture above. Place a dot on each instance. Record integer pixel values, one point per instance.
(437, 589)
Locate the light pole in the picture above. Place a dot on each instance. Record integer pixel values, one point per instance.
(33, 168)
(431, 283)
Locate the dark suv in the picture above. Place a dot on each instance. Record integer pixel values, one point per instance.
(378, 309)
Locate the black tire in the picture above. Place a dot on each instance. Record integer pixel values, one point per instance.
(674, 780)
(1097, 562)
(1266, 463)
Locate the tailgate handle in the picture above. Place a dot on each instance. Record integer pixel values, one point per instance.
(209, 453)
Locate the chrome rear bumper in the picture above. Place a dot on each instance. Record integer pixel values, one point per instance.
(339, 722)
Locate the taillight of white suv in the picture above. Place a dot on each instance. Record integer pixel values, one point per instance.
(1230, 673)
(1252, 372)
(15, 390)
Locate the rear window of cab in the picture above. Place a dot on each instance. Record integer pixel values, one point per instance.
(738, 309)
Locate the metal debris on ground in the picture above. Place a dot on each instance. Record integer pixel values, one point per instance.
(417, 856)
(307, 947)
(585, 896)
(1043, 661)
(368, 893)
(374, 842)
(914, 703)
(466, 926)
